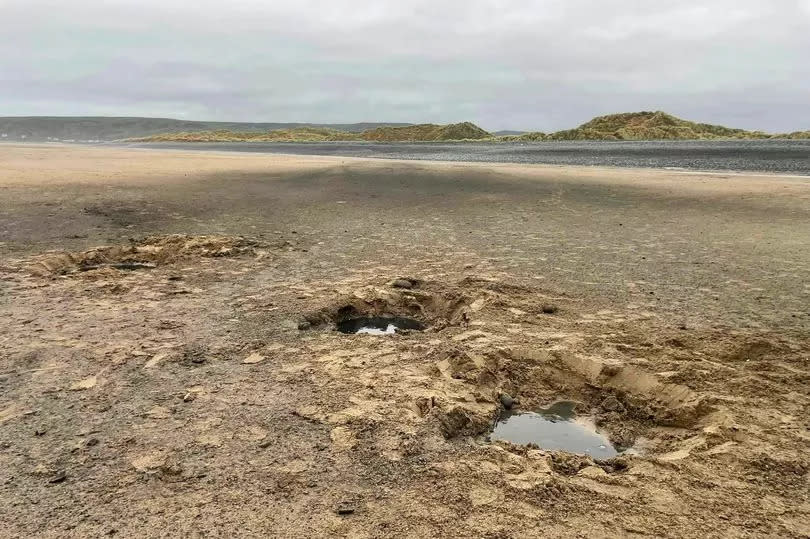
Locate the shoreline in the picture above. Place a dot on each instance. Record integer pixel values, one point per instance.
(188, 152)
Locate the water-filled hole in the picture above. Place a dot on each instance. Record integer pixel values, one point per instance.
(557, 427)
(379, 325)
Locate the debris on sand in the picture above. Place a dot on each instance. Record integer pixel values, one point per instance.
(253, 358)
(58, 477)
(87, 383)
(157, 358)
(345, 508)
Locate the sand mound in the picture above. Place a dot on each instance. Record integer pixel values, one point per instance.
(146, 253)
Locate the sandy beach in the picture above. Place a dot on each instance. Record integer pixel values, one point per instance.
(204, 389)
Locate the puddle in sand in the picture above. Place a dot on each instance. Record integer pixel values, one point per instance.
(557, 428)
(378, 325)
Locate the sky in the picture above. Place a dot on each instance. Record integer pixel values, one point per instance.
(502, 64)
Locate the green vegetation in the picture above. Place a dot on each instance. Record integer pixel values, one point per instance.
(795, 135)
(645, 126)
(422, 132)
(627, 126)
(297, 134)
(426, 132)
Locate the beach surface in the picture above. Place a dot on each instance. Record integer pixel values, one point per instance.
(169, 364)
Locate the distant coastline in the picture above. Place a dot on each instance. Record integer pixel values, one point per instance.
(633, 126)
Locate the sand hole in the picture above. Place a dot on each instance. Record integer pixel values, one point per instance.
(146, 253)
(378, 325)
(557, 427)
(125, 266)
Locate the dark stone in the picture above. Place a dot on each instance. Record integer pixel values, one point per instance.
(345, 509)
(58, 477)
(402, 283)
(507, 401)
(549, 308)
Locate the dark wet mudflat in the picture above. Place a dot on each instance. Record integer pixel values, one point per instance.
(556, 428)
(776, 156)
(378, 325)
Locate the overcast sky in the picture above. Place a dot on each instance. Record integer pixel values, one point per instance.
(503, 64)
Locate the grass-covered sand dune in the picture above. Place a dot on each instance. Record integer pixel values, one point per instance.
(411, 133)
(296, 134)
(648, 125)
(427, 132)
(644, 125)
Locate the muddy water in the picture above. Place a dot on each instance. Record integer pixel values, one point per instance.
(556, 428)
(378, 325)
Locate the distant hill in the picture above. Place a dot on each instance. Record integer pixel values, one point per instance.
(295, 134)
(40, 128)
(410, 133)
(426, 132)
(648, 125)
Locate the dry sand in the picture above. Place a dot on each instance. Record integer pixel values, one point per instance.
(205, 392)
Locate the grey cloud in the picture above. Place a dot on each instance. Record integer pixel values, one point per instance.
(535, 64)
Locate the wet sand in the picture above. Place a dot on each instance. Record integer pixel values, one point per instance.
(773, 156)
(126, 403)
